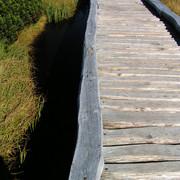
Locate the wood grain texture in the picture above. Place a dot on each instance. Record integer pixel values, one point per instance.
(141, 153)
(148, 171)
(146, 135)
(88, 161)
(138, 69)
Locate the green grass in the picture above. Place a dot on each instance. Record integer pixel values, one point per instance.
(20, 105)
(57, 10)
(174, 5)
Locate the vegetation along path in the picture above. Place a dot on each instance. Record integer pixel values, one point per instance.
(138, 67)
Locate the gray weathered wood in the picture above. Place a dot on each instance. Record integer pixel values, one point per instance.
(141, 153)
(114, 119)
(141, 171)
(88, 161)
(138, 69)
(166, 13)
(147, 135)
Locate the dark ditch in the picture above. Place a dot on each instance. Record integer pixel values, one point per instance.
(58, 60)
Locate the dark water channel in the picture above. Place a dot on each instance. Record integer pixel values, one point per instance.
(58, 60)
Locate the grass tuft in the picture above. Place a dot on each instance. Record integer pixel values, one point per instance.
(57, 10)
(20, 105)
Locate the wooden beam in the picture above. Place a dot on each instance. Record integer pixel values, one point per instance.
(88, 161)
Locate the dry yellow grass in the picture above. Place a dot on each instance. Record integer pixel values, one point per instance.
(174, 5)
(20, 106)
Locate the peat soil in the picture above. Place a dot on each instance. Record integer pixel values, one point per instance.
(58, 61)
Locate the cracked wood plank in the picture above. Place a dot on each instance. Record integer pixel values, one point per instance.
(147, 135)
(141, 153)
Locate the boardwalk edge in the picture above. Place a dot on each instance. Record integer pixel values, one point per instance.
(88, 160)
(166, 13)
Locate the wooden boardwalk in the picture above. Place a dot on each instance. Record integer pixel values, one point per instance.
(139, 74)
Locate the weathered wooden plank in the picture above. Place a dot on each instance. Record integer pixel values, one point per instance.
(141, 153)
(139, 63)
(137, 81)
(127, 72)
(110, 100)
(146, 135)
(162, 167)
(124, 23)
(144, 60)
(113, 119)
(137, 54)
(141, 106)
(138, 22)
(138, 78)
(114, 7)
(133, 26)
(135, 39)
(140, 89)
(147, 176)
(115, 46)
(118, 77)
(141, 171)
(88, 160)
(141, 109)
(128, 39)
(104, 16)
(132, 23)
(139, 71)
(126, 29)
(134, 52)
(122, 124)
(121, 34)
(121, 65)
(136, 43)
(142, 96)
(103, 55)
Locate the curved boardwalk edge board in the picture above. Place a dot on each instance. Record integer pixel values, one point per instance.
(166, 13)
(88, 161)
(138, 60)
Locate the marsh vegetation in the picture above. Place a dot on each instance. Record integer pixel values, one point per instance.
(20, 101)
(57, 10)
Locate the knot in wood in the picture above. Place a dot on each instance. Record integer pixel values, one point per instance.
(91, 50)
